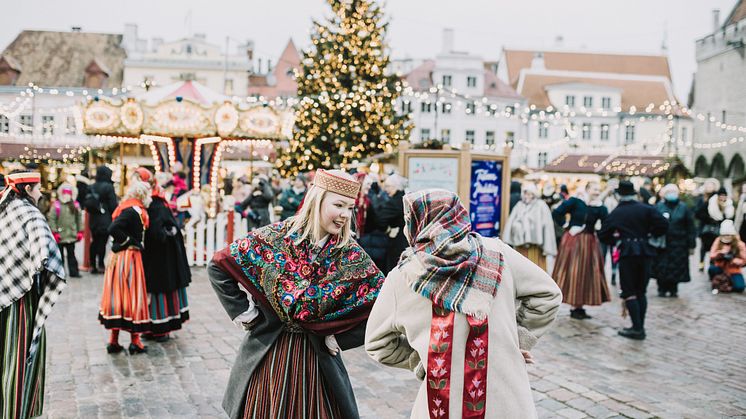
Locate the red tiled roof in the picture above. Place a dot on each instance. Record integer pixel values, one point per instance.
(648, 65)
(284, 84)
(420, 79)
(737, 14)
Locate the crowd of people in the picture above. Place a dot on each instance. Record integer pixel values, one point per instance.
(335, 260)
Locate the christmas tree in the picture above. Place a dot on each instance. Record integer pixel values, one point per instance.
(347, 97)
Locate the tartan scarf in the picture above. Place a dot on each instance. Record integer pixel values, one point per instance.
(448, 263)
(29, 257)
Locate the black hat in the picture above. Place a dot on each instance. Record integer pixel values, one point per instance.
(626, 188)
(722, 191)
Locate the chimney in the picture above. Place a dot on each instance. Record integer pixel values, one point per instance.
(715, 20)
(156, 43)
(559, 41)
(447, 40)
(537, 63)
(248, 49)
(269, 65)
(76, 28)
(259, 65)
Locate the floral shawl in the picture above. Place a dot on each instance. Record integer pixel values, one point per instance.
(329, 294)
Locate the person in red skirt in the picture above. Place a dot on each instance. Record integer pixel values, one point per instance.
(124, 303)
(579, 269)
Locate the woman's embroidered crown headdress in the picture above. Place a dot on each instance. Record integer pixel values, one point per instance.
(336, 184)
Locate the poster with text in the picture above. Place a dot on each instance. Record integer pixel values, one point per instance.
(433, 172)
(484, 197)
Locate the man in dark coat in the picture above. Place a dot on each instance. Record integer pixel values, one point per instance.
(390, 219)
(630, 226)
(82, 183)
(515, 193)
(258, 203)
(100, 202)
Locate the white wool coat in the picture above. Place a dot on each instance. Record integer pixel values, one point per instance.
(526, 304)
(531, 223)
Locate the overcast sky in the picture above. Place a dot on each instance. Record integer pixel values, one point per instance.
(481, 26)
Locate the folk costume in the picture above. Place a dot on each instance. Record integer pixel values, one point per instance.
(300, 293)
(458, 310)
(167, 272)
(530, 228)
(124, 303)
(33, 276)
(579, 269)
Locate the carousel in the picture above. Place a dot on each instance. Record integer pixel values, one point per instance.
(186, 124)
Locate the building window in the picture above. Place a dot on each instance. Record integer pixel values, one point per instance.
(489, 138)
(470, 136)
(604, 131)
(629, 134)
(542, 159)
(586, 131)
(543, 130)
(406, 107)
(570, 101)
(426, 107)
(471, 108)
(570, 131)
(446, 81)
(471, 81)
(4, 124)
(510, 110)
(683, 134)
(47, 125)
(445, 135)
(445, 107)
(491, 110)
(70, 125)
(606, 102)
(509, 137)
(723, 118)
(588, 102)
(424, 134)
(27, 124)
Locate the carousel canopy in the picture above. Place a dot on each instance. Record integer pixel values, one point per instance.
(185, 109)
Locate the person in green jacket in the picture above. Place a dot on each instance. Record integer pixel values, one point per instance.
(292, 197)
(66, 222)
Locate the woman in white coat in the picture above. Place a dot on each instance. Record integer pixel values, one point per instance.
(530, 227)
(461, 311)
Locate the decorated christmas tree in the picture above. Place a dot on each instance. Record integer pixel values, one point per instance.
(347, 96)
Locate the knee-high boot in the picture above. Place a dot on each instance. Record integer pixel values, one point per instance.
(636, 331)
(643, 303)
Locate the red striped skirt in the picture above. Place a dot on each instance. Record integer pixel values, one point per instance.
(579, 271)
(124, 303)
(287, 383)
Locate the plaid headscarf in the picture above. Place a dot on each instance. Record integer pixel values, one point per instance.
(29, 257)
(450, 263)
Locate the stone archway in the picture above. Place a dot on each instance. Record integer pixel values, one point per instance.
(718, 170)
(701, 167)
(736, 168)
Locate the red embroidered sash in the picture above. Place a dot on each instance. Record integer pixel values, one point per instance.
(439, 357)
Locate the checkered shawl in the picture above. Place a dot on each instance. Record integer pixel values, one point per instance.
(27, 248)
(448, 263)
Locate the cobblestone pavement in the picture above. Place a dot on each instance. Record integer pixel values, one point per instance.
(691, 366)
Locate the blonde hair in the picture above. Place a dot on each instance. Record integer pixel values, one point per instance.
(307, 222)
(139, 190)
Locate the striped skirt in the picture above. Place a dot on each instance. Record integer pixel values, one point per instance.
(535, 254)
(124, 303)
(21, 386)
(168, 311)
(579, 271)
(287, 383)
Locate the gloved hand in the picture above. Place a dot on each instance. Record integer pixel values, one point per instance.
(57, 237)
(331, 344)
(80, 236)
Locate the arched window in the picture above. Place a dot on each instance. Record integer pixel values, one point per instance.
(718, 169)
(701, 168)
(736, 167)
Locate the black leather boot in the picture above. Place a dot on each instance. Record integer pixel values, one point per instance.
(636, 331)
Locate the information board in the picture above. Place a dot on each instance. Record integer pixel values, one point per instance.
(433, 172)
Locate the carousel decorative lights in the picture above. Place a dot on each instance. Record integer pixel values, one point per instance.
(188, 123)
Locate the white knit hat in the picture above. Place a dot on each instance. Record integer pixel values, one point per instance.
(727, 228)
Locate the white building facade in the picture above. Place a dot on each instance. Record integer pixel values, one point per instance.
(159, 63)
(719, 99)
(457, 98)
(584, 103)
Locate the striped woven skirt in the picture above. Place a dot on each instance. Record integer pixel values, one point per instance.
(124, 303)
(168, 311)
(287, 383)
(535, 254)
(579, 271)
(21, 386)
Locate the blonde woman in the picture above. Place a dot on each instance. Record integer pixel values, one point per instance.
(310, 288)
(124, 302)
